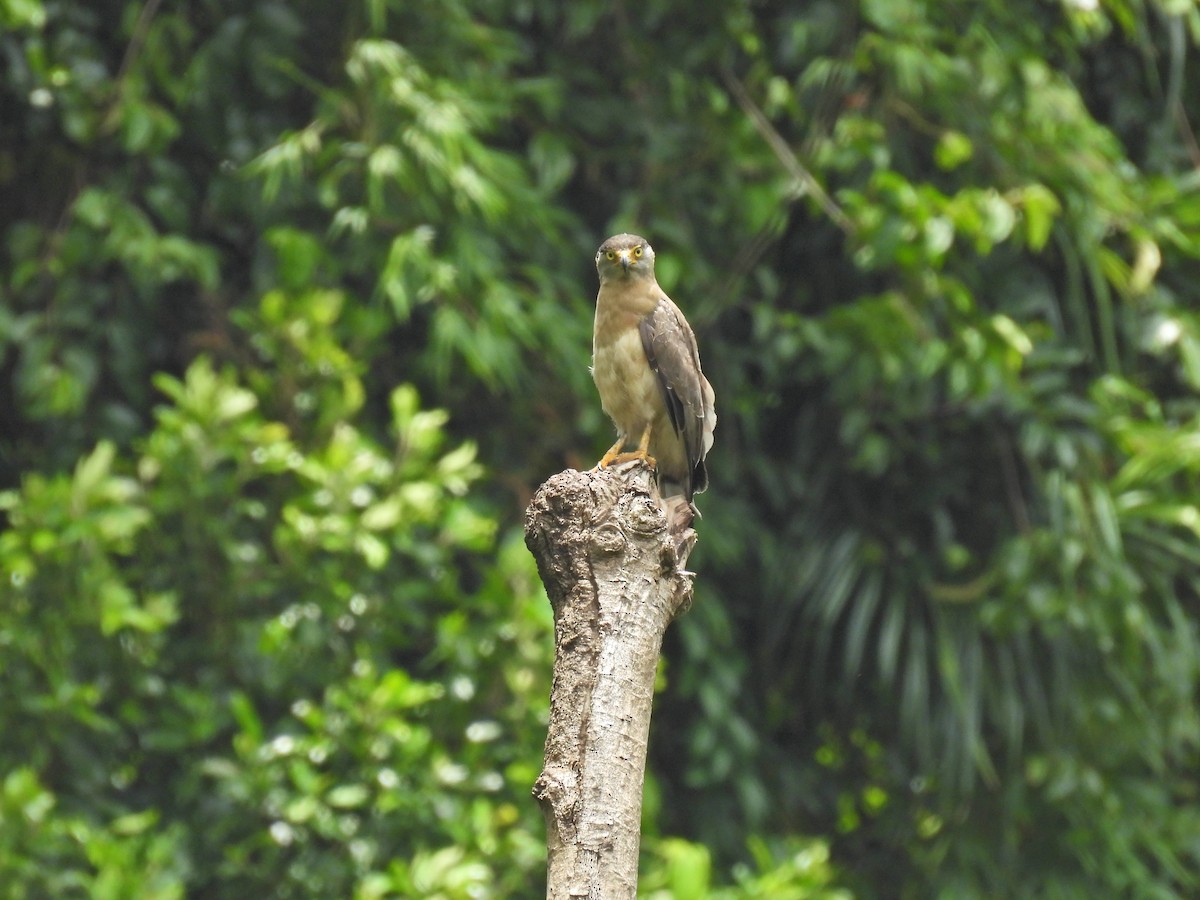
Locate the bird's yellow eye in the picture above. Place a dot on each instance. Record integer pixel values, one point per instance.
(611, 255)
(637, 251)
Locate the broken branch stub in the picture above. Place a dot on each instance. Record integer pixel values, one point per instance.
(611, 555)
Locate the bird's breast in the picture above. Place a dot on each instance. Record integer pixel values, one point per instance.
(628, 387)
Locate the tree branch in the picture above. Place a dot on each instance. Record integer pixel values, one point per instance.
(784, 153)
(611, 555)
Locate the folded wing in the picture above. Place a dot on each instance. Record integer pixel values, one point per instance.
(670, 347)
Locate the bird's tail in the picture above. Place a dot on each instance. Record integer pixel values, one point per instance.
(672, 490)
(680, 512)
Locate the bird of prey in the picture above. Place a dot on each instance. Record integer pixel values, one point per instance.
(647, 370)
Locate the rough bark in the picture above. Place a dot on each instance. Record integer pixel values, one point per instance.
(612, 558)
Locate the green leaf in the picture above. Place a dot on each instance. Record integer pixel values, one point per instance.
(135, 823)
(1040, 208)
(348, 796)
(17, 14)
(92, 471)
(953, 149)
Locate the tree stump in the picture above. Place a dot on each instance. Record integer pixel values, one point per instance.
(611, 554)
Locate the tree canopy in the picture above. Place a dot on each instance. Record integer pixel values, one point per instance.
(295, 311)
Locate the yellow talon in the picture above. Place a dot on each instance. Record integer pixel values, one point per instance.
(642, 453)
(613, 452)
(634, 454)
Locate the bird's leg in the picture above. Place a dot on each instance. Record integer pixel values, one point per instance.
(641, 453)
(613, 452)
(643, 449)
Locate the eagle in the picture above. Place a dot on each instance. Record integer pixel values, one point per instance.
(646, 366)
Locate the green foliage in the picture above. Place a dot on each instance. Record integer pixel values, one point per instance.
(267, 622)
(313, 672)
(793, 870)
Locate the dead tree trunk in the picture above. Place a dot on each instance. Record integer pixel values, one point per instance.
(613, 567)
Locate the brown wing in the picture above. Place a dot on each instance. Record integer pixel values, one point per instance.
(671, 349)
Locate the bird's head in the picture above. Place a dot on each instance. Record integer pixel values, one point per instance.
(625, 256)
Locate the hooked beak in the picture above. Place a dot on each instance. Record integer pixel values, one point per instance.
(625, 259)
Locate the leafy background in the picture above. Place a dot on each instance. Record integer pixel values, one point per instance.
(295, 316)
